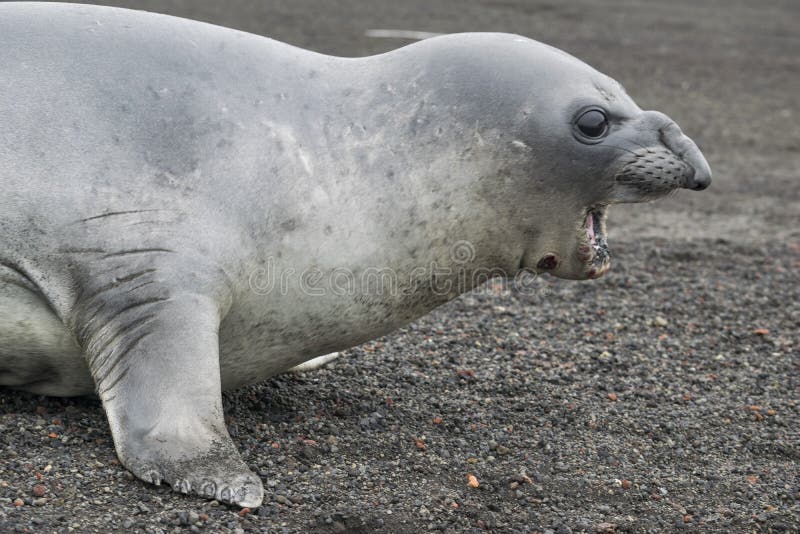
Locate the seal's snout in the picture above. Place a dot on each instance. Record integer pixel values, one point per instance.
(699, 181)
(683, 147)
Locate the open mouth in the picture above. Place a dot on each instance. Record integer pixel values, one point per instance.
(594, 251)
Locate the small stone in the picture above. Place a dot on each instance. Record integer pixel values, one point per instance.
(183, 518)
(39, 490)
(18, 502)
(128, 523)
(41, 501)
(660, 321)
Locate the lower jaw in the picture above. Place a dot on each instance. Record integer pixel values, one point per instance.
(597, 262)
(596, 271)
(582, 269)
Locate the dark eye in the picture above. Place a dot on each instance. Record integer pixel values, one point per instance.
(592, 124)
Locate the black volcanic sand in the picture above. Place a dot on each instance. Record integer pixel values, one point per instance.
(663, 397)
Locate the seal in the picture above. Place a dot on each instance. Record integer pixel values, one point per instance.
(188, 208)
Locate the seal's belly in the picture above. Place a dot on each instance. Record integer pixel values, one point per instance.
(37, 353)
(269, 334)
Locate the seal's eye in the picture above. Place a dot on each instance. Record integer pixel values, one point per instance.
(592, 123)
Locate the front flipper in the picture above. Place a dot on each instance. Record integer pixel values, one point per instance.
(155, 362)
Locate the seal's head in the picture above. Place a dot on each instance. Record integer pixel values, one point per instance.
(612, 152)
(592, 146)
(568, 143)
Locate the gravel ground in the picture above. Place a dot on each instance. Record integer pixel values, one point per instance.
(662, 397)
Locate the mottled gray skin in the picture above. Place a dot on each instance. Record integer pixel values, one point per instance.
(155, 172)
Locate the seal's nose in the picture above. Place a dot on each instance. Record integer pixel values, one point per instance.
(700, 181)
(683, 147)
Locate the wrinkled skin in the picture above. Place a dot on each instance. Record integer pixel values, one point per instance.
(165, 182)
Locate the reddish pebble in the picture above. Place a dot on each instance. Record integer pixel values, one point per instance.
(761, 331)
(612, 396)
(472, 481)
(244, 511)
(626, 484)
(39, 490)
(18, 502)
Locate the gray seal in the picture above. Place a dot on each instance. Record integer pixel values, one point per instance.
(188, 208)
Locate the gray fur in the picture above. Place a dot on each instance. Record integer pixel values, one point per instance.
(157, 171)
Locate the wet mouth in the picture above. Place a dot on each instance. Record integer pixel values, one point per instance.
(594, 252)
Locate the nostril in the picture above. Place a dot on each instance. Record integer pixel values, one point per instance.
(703, 183)
(699, 180)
